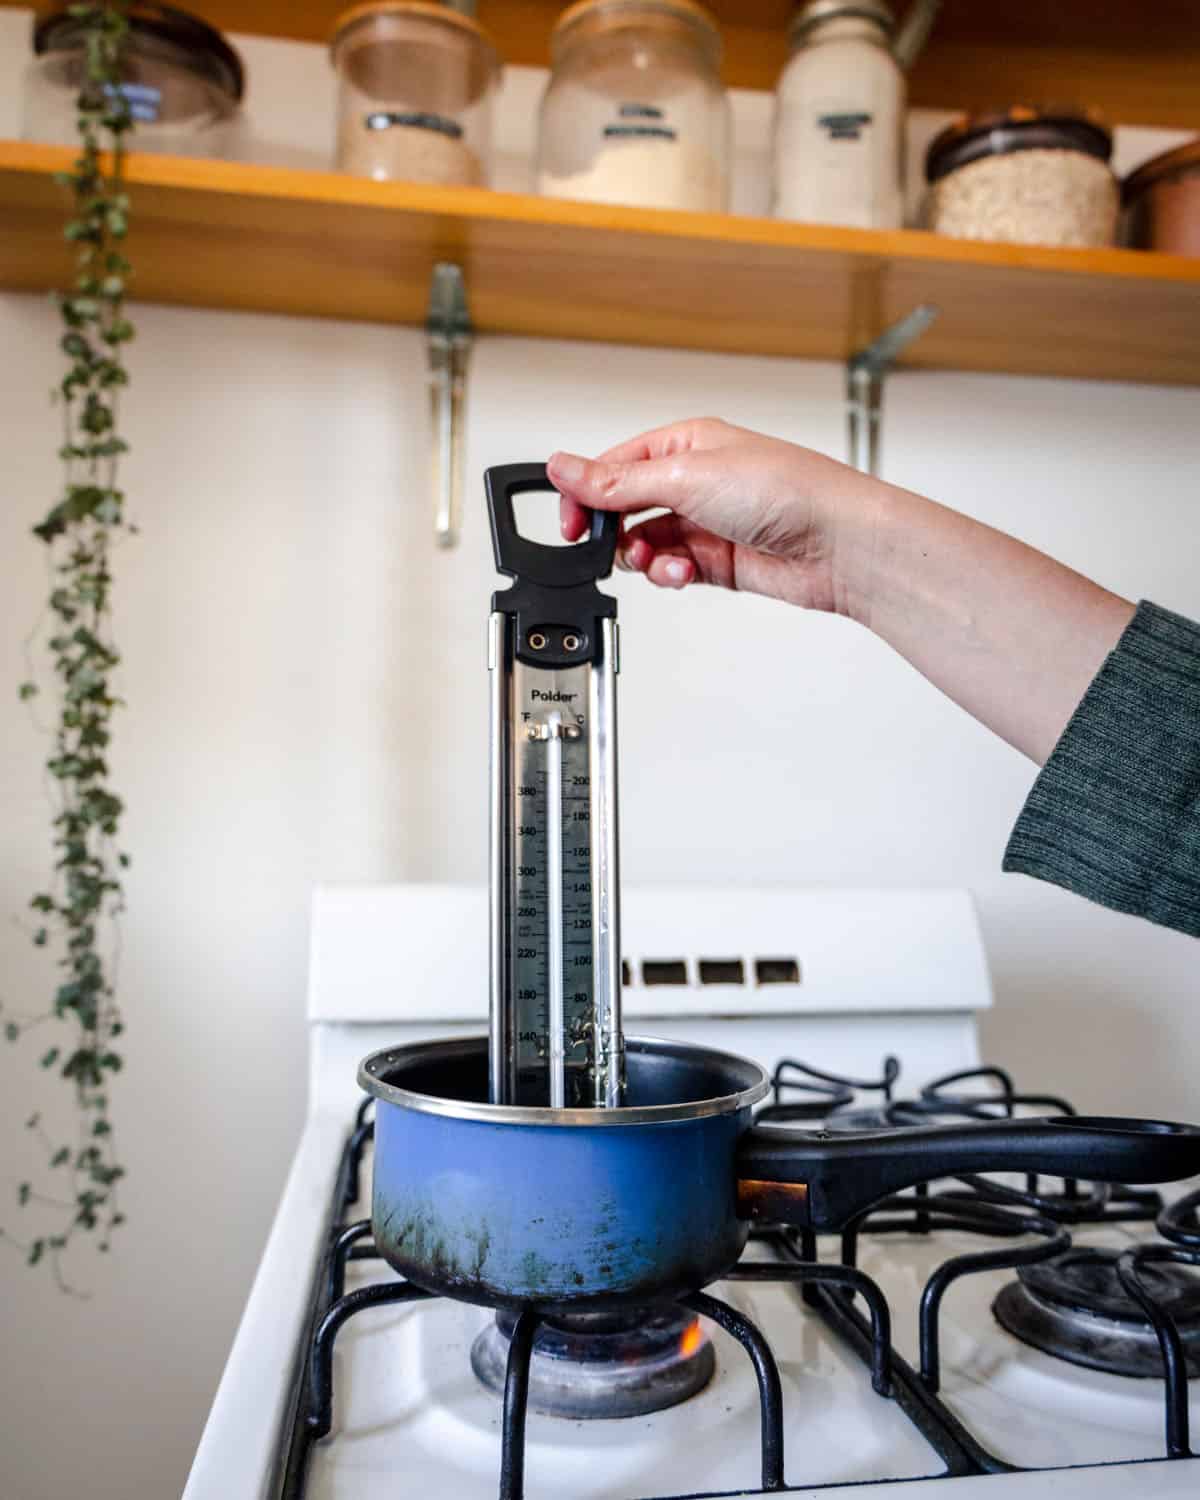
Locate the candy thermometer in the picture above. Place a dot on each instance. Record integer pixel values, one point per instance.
(555, 929)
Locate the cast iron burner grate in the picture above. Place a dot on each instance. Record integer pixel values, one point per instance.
(1036, 1217)
(1075, 1308)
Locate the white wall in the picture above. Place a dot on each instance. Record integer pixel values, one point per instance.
(306, 685)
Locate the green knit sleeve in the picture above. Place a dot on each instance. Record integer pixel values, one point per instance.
(1115, 813)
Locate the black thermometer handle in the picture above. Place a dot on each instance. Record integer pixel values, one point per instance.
(534, 562)
(554, 599)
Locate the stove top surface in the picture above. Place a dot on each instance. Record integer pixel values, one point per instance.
(414, 1413)
(409, 1410)
(410, 1415)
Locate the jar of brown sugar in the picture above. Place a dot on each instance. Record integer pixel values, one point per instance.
(415, 87)
(1032, 177)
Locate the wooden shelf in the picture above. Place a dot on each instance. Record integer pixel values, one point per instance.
(1136, 60)
(228, 235)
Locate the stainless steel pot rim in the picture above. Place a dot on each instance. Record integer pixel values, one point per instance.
(373, 1071)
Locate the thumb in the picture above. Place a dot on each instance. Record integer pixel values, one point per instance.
(672, 481)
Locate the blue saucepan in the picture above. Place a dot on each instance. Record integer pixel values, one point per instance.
(579, 1209)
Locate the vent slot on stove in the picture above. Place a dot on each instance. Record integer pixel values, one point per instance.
(722, 971)
(776, 971)
(676, 973)
(664, 971)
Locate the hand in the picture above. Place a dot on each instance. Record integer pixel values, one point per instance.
(1008, 633)
(745, 511)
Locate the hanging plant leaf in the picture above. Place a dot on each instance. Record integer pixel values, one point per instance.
(80, 907)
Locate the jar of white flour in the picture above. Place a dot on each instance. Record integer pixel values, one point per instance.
(634, 111)
(839, 114)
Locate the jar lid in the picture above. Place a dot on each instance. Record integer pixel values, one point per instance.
(1179, 159)
(817, 11)
(1020, 128)
(435, 10)
(207, 50)
(630, 12)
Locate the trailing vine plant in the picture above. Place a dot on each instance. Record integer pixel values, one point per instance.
(76, 915)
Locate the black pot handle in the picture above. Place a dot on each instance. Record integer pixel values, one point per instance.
(823, 1180)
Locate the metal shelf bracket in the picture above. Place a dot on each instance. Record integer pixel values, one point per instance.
(449, 335)
(865, 372)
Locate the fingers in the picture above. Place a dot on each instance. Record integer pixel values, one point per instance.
(690, 436)
(662, 442)
(673, 552)
(660, 531)
(637, 555)
(609, 483)
(671, 572)
(636, 450)
(573, 518)
(625, 486)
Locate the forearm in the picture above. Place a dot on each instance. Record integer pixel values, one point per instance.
(1011, 635)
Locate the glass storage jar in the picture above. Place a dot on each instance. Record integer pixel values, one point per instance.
(839, 118)
(182, 79)
(634, 111)
(415, 88)
(1032, 177)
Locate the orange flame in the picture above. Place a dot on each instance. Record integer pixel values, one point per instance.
(691, 1339)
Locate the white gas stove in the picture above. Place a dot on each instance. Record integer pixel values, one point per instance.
(838, 980)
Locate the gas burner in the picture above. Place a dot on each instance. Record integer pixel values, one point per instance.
(585, 1365)
(1075, 1308)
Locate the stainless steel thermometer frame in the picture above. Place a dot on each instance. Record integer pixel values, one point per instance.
(555, 925)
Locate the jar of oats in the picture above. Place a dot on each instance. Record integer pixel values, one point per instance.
(1032, 177)
(415, 88)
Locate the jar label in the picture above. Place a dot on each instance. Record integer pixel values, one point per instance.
(844, 125)
(384, 119)
(638, 122)
(654, 132)
(144, 100)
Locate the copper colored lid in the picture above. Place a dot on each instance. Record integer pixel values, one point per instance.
(401, 8)
(1179, 159)
(626, 12)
